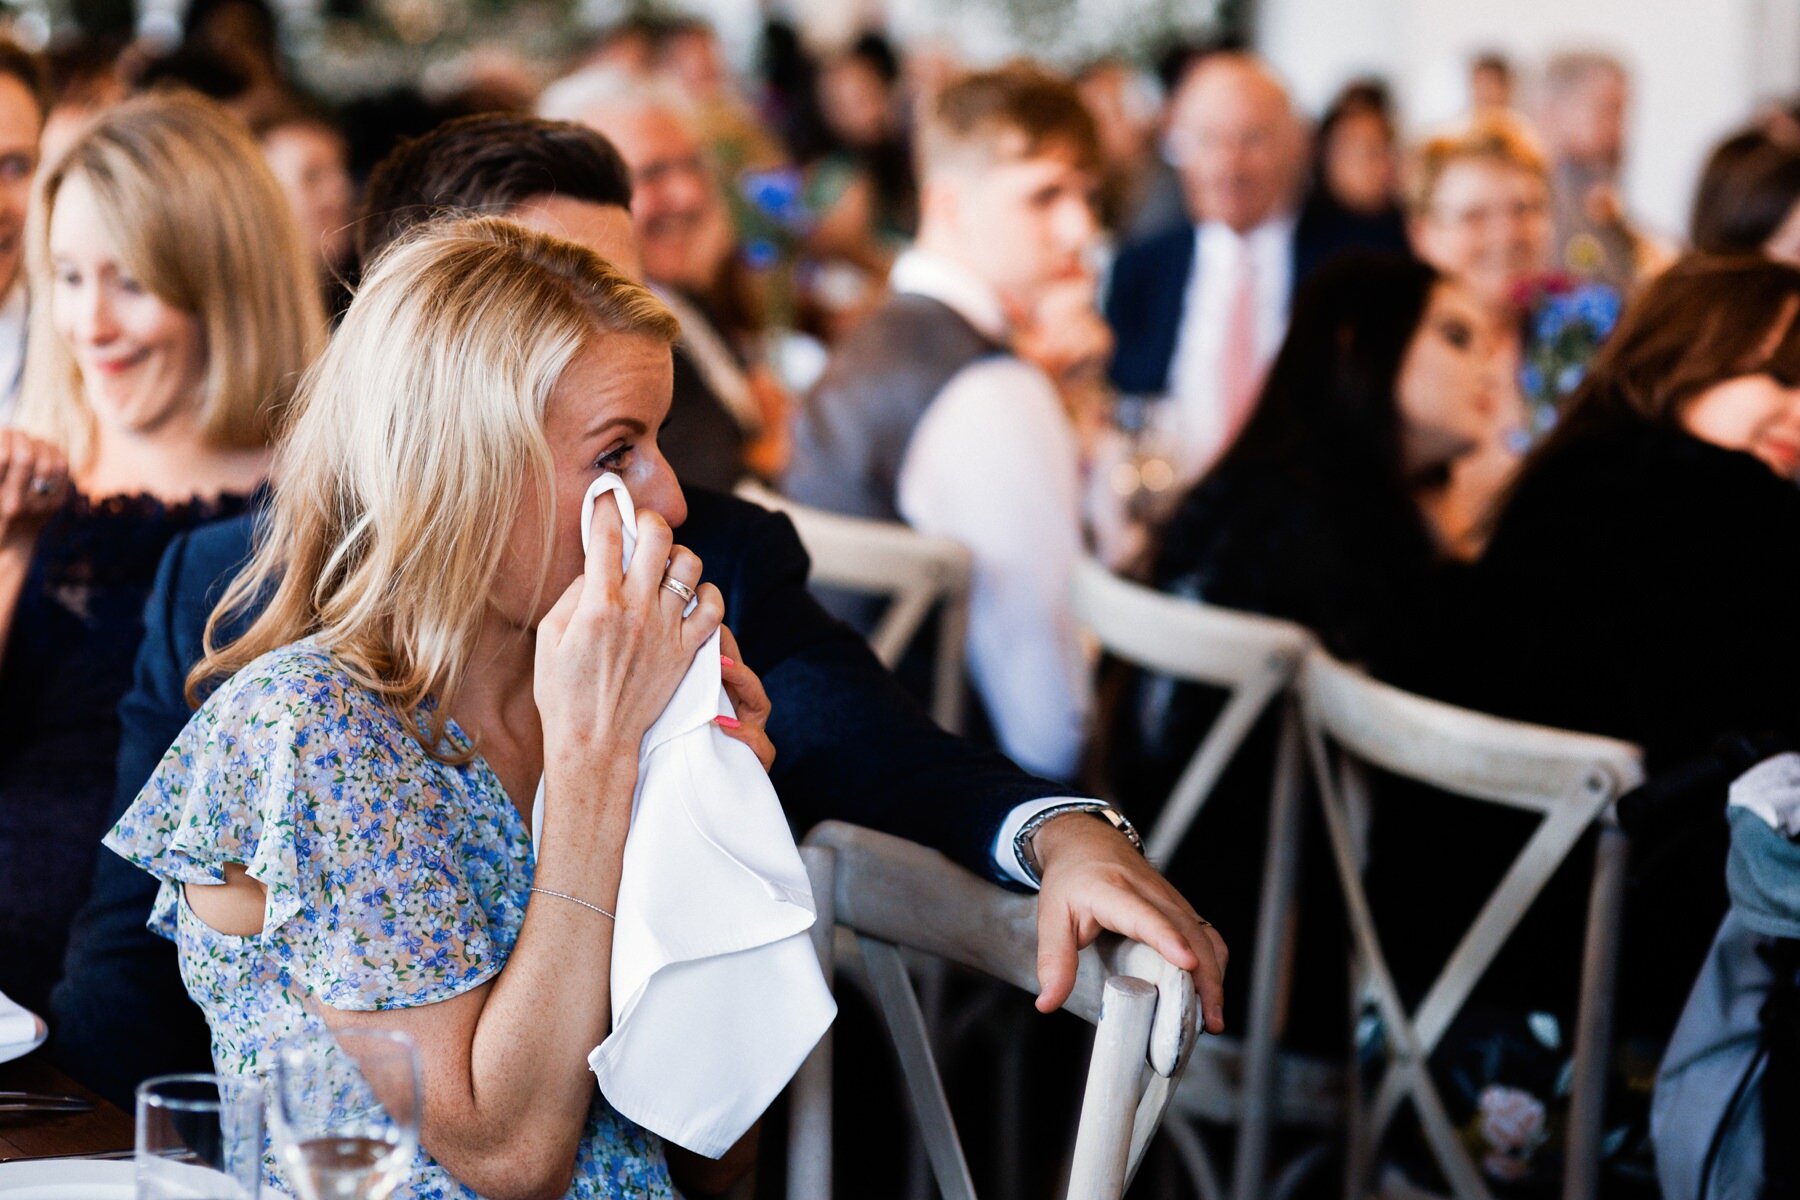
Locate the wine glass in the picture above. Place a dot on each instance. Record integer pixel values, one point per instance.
(199, 1137)
(344, 1115)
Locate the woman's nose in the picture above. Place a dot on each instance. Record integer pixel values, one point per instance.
(661, 494)
(94, 322)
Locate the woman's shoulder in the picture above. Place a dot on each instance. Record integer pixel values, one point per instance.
(1652, 474)
(303, 673)
(299, 699)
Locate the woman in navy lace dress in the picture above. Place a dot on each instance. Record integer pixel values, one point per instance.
(173, 310)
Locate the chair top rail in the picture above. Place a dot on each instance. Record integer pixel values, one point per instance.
(1184, 638)
(869, 555)
(905, 894)
(1457, 750)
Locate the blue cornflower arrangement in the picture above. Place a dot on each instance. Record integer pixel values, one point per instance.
(1565, 324)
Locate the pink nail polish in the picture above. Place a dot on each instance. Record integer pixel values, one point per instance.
(726, 662)
(728, 722)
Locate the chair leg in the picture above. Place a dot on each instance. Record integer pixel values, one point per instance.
(1109, 1103)
(1185, 1140)
(1593, 1028)
(809, 1096)
(1275, 931)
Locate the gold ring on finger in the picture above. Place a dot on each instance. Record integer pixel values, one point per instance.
(679, 588)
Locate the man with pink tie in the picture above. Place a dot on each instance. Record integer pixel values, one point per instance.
(1199, 311)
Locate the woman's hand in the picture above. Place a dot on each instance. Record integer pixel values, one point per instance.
(613, 648)
(750, 726)
(34, 484)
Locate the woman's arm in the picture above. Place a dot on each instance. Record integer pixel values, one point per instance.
(507, 1089)
(34, 483)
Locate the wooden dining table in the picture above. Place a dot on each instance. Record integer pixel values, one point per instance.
(105, 1129)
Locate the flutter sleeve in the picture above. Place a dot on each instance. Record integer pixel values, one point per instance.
(308, 780)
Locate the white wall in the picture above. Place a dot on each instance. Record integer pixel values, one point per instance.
(1699, 66)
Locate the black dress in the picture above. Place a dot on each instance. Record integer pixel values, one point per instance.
(68, 662)
(1324, 546)
(1643, 584)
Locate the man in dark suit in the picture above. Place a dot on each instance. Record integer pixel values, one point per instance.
(851, 743)
(1199, 311)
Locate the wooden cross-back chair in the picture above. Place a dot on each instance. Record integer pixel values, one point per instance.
(894, 895)
(915, 573)
(1255, 659)
(1572, 780)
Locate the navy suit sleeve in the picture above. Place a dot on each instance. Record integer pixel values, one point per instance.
(850, 743)
(121, 1013)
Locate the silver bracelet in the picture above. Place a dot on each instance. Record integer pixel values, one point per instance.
(576, 900)
(1022, 849)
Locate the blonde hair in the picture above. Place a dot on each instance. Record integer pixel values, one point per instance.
(420, 431)
(199, 221)
(1497, 139)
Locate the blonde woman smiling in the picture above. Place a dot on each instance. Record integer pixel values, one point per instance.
(342, 829)
(173, 310)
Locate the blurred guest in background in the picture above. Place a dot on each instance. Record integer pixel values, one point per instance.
(1480, 204)
(1355, 197)
(686, 242)
(1585, 99)
(1748, 199)
(85, 80)
(687, 50)
(860, 200)
(1480, 199)
(1490, 85)
(1199, 311)
(22, 98)
(1315, 515)
(311, 162)
(859, 102)
(175, 311)
(924, 415)
(1637, 583)
(1141, 193)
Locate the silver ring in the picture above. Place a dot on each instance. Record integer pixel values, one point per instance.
(41, 487)
(679, 588)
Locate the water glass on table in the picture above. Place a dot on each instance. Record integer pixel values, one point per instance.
(344, 1113)
(199, 1137)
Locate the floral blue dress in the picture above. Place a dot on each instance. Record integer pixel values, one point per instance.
(393, 879)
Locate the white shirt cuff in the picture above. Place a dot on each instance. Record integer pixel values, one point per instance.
(1008, 859)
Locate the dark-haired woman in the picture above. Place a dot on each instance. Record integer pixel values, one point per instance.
(1355, 195)
(1643, 574)
(1315, 516)
(1748, 199)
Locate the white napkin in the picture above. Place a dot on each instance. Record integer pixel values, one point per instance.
(1771, 790)
(717, 995)
(18, 1023)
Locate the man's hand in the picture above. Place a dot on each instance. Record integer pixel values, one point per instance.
(1094, 880)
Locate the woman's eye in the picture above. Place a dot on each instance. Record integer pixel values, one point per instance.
(613, 459)
(1458, 334)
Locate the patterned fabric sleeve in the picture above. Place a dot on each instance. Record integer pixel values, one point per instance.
(309, 781)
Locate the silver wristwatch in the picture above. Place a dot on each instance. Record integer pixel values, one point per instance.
(1099, 808)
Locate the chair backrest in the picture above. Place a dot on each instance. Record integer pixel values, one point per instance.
(913, 571)
(1253, 657)
(895, 895)
(1353, 722)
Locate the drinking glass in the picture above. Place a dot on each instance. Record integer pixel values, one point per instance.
(344, 1116)
(199, 1137)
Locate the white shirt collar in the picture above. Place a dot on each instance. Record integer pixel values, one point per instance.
(1273, 237)
(923, 273)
